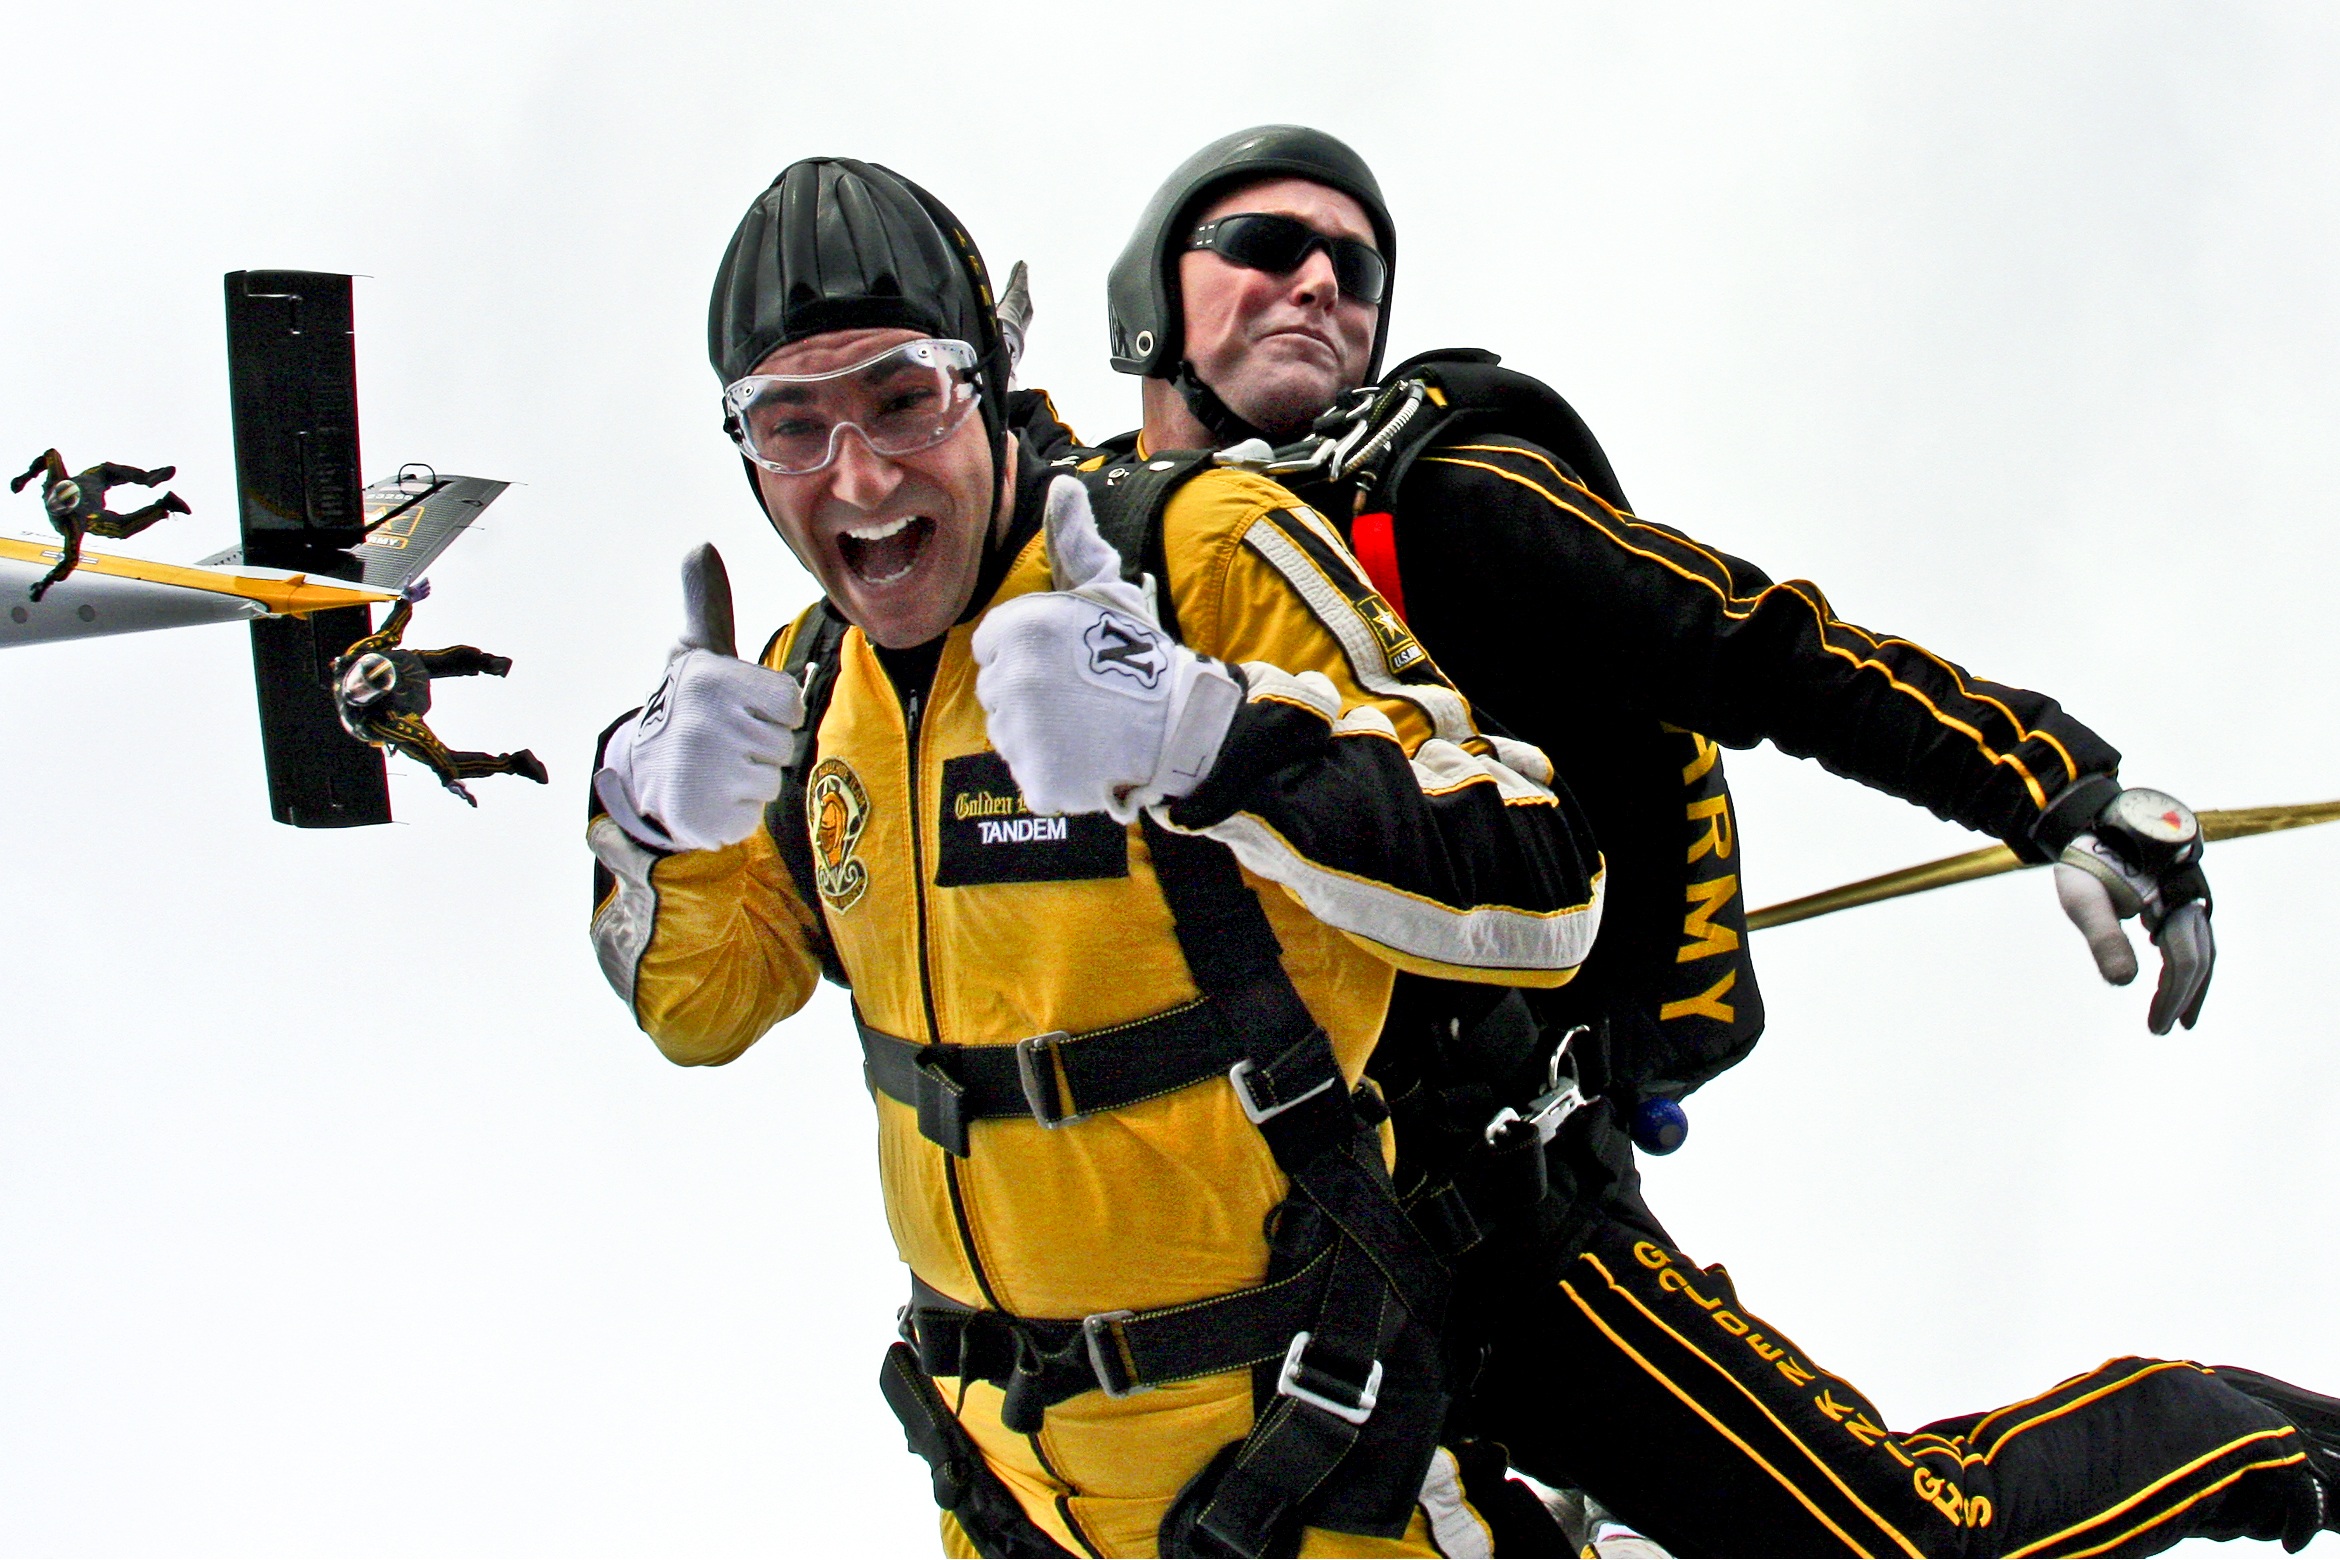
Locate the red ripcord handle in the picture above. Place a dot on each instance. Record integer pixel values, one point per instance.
(1373, 538)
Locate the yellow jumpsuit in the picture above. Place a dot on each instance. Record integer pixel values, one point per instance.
(1160, 1202)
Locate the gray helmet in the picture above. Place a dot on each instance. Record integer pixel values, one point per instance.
(834, 244)
(1141, 291)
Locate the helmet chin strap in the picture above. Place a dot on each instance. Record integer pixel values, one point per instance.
(1218, 419)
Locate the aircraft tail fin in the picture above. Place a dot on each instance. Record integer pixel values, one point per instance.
(292, 389)
(319, 776)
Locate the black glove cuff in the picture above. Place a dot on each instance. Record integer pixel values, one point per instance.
(1259, 741)
(2185, 886)
(2072, 813)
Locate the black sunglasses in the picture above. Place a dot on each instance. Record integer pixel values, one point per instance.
(1263, 241)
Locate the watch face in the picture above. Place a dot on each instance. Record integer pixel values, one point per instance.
(2155, 816)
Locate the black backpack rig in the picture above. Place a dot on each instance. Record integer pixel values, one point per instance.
(1483, 1079)
(1371, 436)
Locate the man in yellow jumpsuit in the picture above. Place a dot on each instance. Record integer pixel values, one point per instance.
(1119, 856)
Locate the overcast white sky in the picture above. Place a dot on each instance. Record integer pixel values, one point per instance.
(343, 1212)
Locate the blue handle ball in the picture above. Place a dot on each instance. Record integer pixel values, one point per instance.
(1659, 1126)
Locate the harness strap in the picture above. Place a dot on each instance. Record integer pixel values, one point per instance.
(1053, 1078)
(1443, 1214)
(812, 661)
(1348, 1422)
(1041, 1362)
(1296, 1096)
(1325, 1408)
(1300, 1106)
(1129, 496)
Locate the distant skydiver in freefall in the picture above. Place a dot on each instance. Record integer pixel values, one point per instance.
(383, 691)
(77, 505)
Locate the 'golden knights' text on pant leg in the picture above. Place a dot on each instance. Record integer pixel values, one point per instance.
(1643, 1379)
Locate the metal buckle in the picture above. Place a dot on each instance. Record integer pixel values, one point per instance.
(1036, 1071)
(1357, 428)
(1350, 456)
(1240, 1076)
(1340, 426)
(1548, 1110)
(1097, 1332)
(1288, 1385)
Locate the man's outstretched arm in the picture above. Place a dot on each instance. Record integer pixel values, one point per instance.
(47, 460)
(1530, 573)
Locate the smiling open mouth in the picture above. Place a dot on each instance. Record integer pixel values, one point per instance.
(882, 554)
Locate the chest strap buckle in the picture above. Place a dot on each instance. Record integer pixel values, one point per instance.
(1240, 1076)
(1036, 1071)
(1335, 1394)
(1107, 1355)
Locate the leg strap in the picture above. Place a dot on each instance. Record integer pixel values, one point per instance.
(1348, 1422)
(964, 1484)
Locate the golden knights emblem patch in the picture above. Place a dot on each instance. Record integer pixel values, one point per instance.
(836, 810)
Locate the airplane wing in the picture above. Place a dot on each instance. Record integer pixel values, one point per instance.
(410, 519)
(113, 594)
(421, 517)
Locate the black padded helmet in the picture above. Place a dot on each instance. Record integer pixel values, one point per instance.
(834, 244)
(1141, 291)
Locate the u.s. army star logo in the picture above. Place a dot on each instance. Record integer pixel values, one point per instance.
(836, 808)
(1399, 648)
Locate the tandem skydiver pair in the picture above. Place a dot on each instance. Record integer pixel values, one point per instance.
(1105, 1053)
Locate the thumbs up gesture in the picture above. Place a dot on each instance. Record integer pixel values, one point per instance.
(699, 764)
(1092, 705)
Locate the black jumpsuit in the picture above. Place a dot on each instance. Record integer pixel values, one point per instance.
(1615, 1363)
(397, 720)
(77, 506)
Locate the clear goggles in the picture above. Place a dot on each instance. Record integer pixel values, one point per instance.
(905, 399)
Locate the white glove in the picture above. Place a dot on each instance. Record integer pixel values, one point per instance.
(2143, 857)
(696, 769)
(1093, 707)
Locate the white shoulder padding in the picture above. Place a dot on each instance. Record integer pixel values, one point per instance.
(1312, 689)
(621, 928)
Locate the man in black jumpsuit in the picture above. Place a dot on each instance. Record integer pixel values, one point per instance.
(1612, 1361)
(77, 505)
(383, 690)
